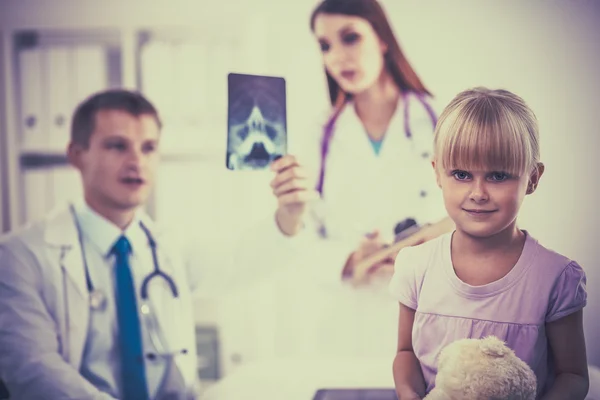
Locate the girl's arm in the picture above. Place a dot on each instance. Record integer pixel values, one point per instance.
(408, 378)
(567, 342)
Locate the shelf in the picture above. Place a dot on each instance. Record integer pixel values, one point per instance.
(27, 38)
(40, 160)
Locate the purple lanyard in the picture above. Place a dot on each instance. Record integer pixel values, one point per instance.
(328, 133)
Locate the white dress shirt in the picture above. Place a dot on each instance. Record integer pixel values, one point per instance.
(101, 358)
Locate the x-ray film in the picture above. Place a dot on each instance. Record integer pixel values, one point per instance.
(256, 121)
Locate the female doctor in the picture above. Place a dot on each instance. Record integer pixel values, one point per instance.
(370, 165)
(341, 194)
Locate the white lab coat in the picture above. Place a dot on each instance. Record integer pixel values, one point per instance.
(44, 311)
(362, 192)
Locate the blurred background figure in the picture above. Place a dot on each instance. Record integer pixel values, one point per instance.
(55, 53)
(370, 168)
(95, 300)
(371, 164)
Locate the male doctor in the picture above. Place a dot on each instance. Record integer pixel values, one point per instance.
(70, 285)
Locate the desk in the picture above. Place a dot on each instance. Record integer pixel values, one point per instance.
(299, 379)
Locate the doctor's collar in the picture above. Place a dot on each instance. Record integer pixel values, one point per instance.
(102, 233)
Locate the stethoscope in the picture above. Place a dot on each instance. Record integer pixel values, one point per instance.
(328, 130)
(98, 299)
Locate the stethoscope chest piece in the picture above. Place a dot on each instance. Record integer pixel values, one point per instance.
(97, 300)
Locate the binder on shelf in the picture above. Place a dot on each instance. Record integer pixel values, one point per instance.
(54, 79)
(180, 74)
(157, 68)
(59, 84)
(224, 59)
(190, 83)
(90, 71)
(33, 121)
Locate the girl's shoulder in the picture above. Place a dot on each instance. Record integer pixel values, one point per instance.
(551, 261)
(564, 277)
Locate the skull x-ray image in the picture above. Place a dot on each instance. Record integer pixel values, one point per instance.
(257, 123)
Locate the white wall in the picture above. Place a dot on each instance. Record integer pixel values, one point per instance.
(547, 52)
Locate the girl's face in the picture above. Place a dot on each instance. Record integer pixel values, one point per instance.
(353, 54)
(484, 203)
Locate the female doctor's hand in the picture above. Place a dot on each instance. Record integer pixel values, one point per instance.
(293, 191)
(370, 244)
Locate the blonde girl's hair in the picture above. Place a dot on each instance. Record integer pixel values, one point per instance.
(487, 130)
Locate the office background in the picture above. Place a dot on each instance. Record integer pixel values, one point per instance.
(55, 52)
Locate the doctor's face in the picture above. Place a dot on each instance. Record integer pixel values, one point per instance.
(118, 168)
(352, 51)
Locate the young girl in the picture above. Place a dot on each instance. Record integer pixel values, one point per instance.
(489, 277)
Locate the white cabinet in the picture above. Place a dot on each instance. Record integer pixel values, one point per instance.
(54, 78)
(186, 77)
(53, 72)
(183, 72)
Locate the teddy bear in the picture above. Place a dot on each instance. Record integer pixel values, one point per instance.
(482, 369)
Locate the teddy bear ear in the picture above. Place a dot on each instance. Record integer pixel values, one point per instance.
(493, 346)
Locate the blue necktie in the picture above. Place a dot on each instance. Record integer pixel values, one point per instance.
(133, 372)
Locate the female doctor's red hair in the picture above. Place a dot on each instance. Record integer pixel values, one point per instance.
(394, 60)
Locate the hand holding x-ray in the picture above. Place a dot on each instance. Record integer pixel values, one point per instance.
(292, 188)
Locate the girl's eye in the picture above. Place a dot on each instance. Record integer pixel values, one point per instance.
(460, 175)
(324, 46)
(499, 176)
